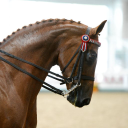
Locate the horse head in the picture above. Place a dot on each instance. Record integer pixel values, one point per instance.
(81, 95)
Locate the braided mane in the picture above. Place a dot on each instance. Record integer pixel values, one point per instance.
(56, 21)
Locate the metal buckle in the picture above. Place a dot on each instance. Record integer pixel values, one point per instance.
(69, 82)
(66, 93)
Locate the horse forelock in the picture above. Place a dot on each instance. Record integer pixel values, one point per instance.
(48, 21)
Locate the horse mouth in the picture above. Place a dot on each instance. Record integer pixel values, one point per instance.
(77, 101)
(72, 98)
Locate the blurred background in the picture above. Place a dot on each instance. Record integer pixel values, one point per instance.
(111, 84)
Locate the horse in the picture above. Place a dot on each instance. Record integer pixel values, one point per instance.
(45, 43)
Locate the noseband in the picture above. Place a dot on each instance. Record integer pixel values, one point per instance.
(80, 58)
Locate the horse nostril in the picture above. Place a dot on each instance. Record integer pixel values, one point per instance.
(86, 101)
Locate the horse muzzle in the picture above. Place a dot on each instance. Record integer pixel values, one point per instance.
(78, 100)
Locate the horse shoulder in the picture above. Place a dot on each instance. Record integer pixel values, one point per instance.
(11, 106)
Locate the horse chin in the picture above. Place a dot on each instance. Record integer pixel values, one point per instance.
(72, 98)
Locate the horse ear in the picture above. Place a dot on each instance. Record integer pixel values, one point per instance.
(99, 28)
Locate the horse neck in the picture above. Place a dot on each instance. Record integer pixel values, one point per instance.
(39, 45)
(36, 46)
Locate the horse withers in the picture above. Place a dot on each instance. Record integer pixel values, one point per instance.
(45, 44)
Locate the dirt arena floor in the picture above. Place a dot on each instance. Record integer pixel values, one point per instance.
(106, 110)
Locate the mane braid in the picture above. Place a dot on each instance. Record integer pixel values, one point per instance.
(50, 20)
(79, 22)
(71, 21)
(64, 19)
(43, 21)
(57, 20)
(24, 26)
(8, 36)
(13, 33)
(4, 40)
(37, 22)
(30, 24)
(18, 29)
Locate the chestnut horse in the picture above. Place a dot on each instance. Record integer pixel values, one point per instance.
(44, 43)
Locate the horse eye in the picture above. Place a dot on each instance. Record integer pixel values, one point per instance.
(91, 57)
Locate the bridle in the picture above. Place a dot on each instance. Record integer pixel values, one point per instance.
(80, 58)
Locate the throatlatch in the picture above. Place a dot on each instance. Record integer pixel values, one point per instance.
(80, 58)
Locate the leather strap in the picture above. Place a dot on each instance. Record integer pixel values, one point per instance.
(48, 86)
(84, 77)
(41, 68)
(70, 60)
(88, 31)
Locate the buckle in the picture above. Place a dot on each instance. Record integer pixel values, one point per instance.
(69, 80)
(66, 93)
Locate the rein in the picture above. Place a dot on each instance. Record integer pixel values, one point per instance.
(80, 58)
